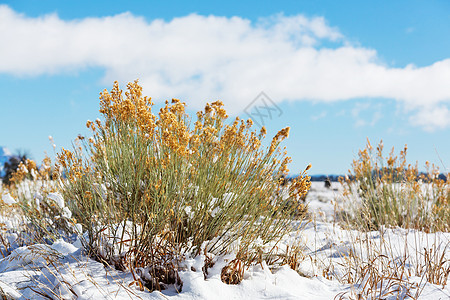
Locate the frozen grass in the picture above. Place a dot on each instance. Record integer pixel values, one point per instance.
(389, 191)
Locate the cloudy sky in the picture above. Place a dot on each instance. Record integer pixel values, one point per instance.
(336, 72)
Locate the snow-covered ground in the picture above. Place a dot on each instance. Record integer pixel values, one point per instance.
(62, 270)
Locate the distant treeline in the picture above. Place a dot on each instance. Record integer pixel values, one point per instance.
(323, 177)
(335, 178)
(318, 177)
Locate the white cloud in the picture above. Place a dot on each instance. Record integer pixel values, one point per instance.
(410, 30)
(322, 115)
(432, 118)
(203, 58)
(366, 114)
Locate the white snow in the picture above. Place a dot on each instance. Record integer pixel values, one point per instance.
(64, 271)
(8, 199)
(59, 200)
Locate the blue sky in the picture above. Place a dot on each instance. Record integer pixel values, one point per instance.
(337, 72)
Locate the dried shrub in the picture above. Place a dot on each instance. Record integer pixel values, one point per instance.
(380, 278)
(36, 200)
(154, 186)
(160, 277)
(389, 191)
(377, 269)
(233, 272)
(435, 266)
(209, 263)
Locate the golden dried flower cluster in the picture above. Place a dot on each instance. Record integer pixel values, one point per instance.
(28, 169)
(280, 136)
(134, 109)
(396, 168)
(73, 164)
(300, 185)
(172, 128)
(22, 171)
